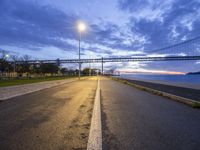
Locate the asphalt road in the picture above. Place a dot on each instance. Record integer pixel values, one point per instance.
(53, 119)
(189, 93)
(137, 120)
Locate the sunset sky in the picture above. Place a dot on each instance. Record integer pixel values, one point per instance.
(46, 29)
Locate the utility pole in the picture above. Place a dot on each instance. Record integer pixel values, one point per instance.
(90, 70)
(58, 65)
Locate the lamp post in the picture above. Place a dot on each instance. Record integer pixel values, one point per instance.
(81, 28)
(7, 57)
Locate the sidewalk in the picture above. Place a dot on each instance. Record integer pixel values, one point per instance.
(13, 91)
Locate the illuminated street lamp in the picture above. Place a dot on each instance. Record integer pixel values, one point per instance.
(81, 28)
(7, 56)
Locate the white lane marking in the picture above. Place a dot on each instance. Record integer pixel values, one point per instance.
(95, 135)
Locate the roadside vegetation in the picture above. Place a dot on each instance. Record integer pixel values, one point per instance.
(12, 73)
(14, 81)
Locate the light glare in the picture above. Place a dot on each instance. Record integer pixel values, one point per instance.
(81, 27)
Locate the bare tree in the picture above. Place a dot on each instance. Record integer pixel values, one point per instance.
(5, 66)
(25, 66)
(3, 55)
(26, 58)
(14, 58)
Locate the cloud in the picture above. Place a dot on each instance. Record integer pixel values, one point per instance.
(163, 22)
(115, 37)
(132, 28)
(146, 9)
(28, 24)
(150, 71)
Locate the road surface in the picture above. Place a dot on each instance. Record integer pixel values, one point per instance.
(59, 119)
(53, 119)
(137, 120)
(18, 90)
(189, 93)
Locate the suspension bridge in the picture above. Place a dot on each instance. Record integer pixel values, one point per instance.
(187, 50)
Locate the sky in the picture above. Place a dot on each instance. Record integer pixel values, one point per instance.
(46, 29)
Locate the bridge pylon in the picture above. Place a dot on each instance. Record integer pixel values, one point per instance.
(102, 66)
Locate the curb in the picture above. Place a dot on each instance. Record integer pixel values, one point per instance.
(95, 135)
(189, 102)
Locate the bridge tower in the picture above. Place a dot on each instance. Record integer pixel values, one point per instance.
(102, 66)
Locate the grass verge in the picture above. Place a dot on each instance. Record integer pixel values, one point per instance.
(12, 82)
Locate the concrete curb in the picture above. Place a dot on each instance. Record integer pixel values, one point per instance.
(189, 102)
(95, 135)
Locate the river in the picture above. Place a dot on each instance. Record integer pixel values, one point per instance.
(190, 79)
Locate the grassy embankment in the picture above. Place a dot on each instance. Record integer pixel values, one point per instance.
(12, 82)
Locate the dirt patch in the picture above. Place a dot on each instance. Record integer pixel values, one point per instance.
(77, 133)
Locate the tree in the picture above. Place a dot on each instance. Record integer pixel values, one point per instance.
(64, 71)
(14, 59)
(35, 69)
(86, 71)
(49, 68)
(94, 72)
(5, 66)
(26, 66)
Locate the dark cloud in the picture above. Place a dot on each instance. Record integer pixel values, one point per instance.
(132, 5)
(103, 34)
(110, 35)
(158, 32)
(28, 24)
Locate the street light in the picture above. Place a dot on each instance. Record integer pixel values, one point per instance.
(81, 28)
(7, 56)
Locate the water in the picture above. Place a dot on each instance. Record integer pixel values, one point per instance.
(191, 79)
